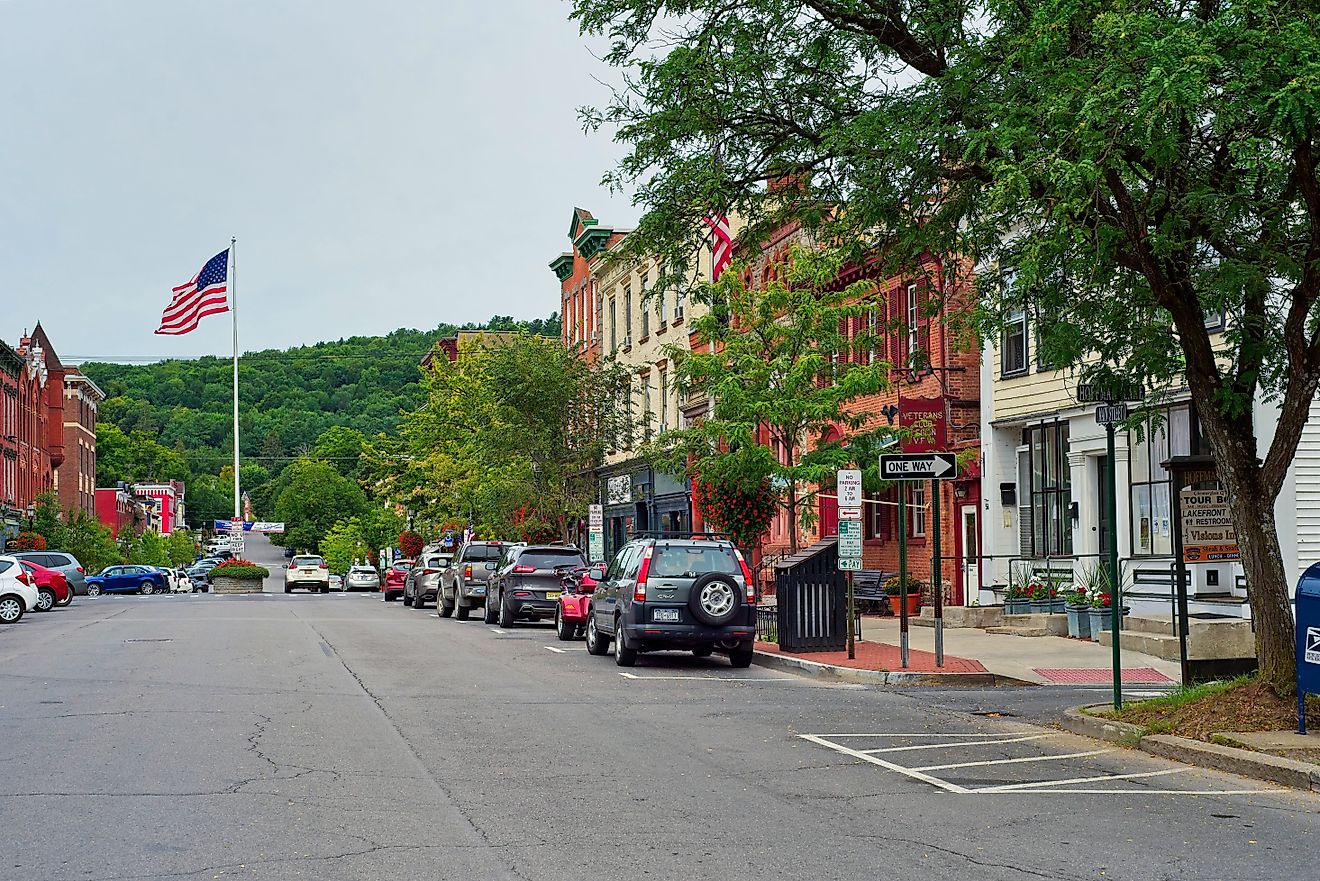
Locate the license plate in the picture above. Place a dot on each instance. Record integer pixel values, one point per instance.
(664, 614)
(552, 595)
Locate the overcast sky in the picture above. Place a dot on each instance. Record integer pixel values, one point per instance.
(384, 164)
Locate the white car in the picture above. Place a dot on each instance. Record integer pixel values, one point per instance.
(309, 571)
(17, 596)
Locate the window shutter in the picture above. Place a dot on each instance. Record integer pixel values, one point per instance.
(895, 324)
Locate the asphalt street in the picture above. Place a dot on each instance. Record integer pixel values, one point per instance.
(335, 737)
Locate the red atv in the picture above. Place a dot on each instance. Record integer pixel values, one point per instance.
(571, 614)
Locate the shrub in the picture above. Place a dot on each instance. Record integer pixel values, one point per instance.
(243, 569)
(893, 586)
(28, 541)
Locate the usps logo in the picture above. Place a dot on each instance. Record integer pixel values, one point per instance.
(1312, 655)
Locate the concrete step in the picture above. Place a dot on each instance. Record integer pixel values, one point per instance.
(1032, 625)
(1152, 624)
(962, 616)
(1164, 647)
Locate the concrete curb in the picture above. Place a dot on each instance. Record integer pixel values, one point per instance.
(883, 677)
(1078, 721)
(1243, 762)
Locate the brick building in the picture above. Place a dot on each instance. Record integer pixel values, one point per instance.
(119, 509)
(167, 501)
(934, 385)
(76, 477)
(31, 425)
(579, 294)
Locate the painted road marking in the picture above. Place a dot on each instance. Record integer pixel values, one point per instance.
(1008, 787)
(1074, 785)
(904, 749)
(557, 651)
(500, 632)
(1093, 752)
(435, 615)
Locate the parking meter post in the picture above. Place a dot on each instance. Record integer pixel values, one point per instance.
(1115, 599)
(938, 576)
(902, 576)
(852, 617)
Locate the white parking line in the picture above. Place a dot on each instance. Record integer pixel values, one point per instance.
(435, 615)
(556, 650)
(923, 773)
(500, 632)
(1094, 752)
(904, 749)
(906, 772)
(1041, 784)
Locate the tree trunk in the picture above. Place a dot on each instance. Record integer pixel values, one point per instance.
(792, 517)
(1251, 505)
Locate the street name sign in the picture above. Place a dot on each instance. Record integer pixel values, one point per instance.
(850, 489)
(1111, 414)
(1107, 393)
(918, 466)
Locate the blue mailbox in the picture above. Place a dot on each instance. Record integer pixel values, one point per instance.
(1308, 640)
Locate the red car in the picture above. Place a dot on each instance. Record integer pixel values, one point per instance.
(571, 616)
(52, 587)
(394, 578)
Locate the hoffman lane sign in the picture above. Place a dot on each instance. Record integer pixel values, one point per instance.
(918, 466)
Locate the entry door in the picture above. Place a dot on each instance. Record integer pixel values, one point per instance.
(829, 517)
(971, 552)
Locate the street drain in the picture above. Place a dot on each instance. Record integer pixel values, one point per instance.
(149, 640)
(994, 714)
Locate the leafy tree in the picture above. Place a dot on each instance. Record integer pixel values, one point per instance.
(343, 545)
(135, 457)
(341, 447)
(774, 358)
(509, 432)
(82, 535)
(180, 547)
(315, 497)
(379, 526)
(147, 549)
(1131, 168)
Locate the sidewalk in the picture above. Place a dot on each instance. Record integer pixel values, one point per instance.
(971, 657)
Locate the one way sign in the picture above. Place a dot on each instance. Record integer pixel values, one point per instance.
(918, 466)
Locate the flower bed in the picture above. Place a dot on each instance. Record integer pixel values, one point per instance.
(238, 576)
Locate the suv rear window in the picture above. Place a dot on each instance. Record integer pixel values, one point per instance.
(549, 559)
(483, 552)
(307, 561)
(689, 562)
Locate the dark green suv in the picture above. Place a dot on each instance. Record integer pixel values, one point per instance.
(661, 594)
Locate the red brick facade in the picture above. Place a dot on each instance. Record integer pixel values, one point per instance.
(31, 422)
(579, 299)
(76, 478)
(939, 390)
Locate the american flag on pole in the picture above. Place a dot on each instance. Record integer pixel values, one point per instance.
(721, 249)
(207, 294)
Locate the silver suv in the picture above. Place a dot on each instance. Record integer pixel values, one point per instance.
(674, 593)
(60, 561)
(463, 584)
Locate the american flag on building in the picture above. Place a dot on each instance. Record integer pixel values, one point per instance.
(721, 246)
(207, 294)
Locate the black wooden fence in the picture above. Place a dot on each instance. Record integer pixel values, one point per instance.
(812, 600)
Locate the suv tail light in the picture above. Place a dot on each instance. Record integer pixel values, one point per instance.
(323, 566)
(639, 592)
(523, 570)
(467, 571)
(747, 576)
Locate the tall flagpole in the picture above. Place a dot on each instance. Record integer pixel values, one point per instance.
(233, 309)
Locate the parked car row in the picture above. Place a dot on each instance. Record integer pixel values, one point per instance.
(659, 593)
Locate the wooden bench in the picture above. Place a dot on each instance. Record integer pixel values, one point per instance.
(869, 591)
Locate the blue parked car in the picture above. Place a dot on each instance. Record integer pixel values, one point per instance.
(127, 579)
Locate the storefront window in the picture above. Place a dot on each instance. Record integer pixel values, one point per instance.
(1047, 481)
(1164, 433)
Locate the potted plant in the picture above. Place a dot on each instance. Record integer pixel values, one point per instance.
(1078, 608)
(238, 576)
(1041, 594)
(893, 587)
(1016, 597)
(1101, 613)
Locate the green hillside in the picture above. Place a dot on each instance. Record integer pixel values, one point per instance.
(173, 419)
